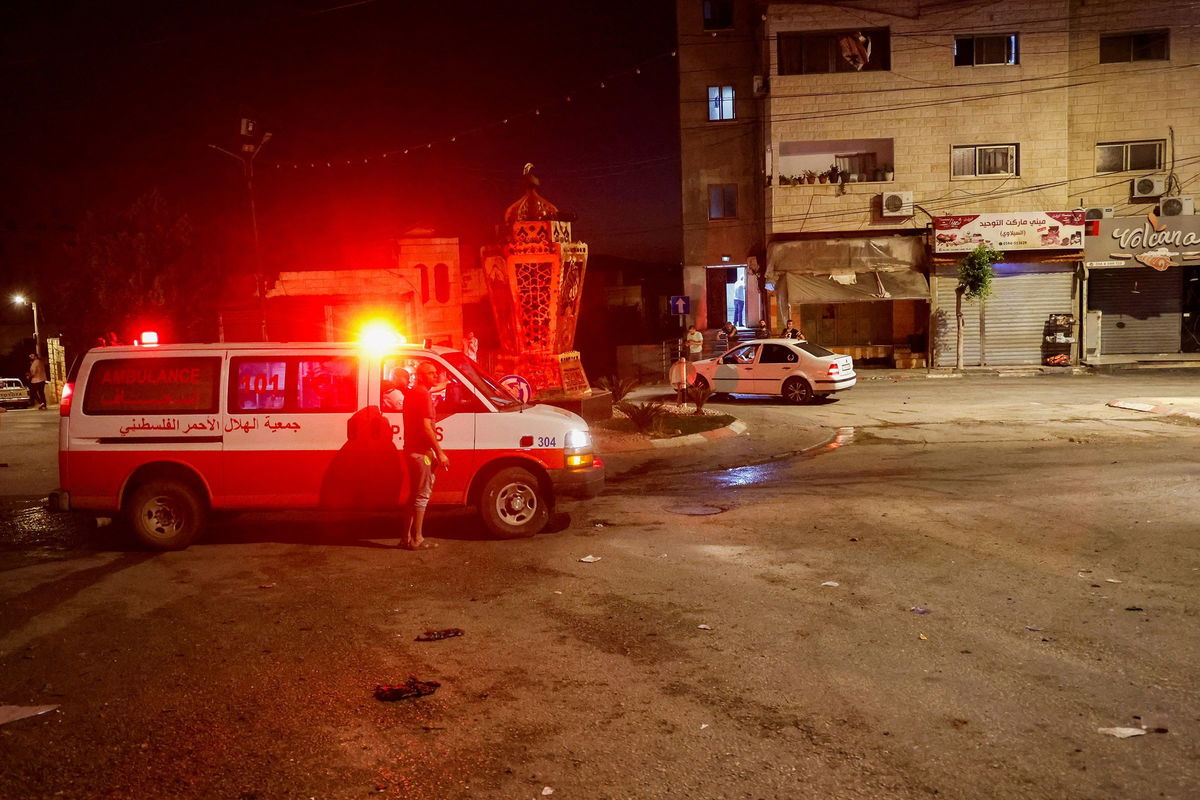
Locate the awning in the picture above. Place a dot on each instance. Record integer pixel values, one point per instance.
(849, 270)
(857, 287)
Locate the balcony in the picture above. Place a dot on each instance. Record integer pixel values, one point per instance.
(834, 161)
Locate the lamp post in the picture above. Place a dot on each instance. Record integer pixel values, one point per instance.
(250, 151)
(37, 338)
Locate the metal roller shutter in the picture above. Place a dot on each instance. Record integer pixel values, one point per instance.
(1141, 309)
(1015, 314)
(944, 335)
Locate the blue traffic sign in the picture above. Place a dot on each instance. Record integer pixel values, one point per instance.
(519, 387)
(680, 304)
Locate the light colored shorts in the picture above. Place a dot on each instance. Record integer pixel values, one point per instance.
(421, 479)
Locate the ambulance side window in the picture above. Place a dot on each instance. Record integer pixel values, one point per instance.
(327, 384)
(170, 385)
(259, 385)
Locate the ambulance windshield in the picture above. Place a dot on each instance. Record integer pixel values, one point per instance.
(483, 383)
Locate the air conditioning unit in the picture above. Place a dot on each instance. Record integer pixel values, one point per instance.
(896, 204)
(1097, 213)
(761, 87)
(1147, 186)
(1177, 206)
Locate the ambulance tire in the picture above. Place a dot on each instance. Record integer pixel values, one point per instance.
(513, 504)
(165, 514)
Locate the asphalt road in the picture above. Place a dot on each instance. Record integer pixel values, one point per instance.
(1050, 538)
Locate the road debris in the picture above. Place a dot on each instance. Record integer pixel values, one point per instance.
(435, 636)
(407, 690)
(266, 585)
(921, 610)
(546, 790)
(1135, 608)
(922, 637)
(1121, 733)
(703, 726)
(590, 559)
(831, 583)
(14, 713)
(1112, 580)
(704, 627)
(1031, 628)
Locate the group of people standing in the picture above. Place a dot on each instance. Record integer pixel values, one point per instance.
(727, 337)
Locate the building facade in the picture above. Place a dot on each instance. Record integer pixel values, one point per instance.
(858, 140)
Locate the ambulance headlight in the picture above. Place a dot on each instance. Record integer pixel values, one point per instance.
(578, 438)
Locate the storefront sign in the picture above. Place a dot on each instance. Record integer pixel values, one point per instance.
(1152, 241)
(1032, 230)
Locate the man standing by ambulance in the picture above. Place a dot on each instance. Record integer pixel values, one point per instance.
(423, 452)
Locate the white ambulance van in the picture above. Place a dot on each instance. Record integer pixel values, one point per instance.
(164, 435)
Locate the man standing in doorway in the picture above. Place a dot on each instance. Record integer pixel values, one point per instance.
(470, 346)
(694, 343)
(739, 302)
(423, 452)
(37, 381)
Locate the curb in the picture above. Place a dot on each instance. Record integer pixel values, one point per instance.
(1131, 405)
(734, 428)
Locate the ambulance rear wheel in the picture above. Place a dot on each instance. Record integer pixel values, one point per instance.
(165, 514)
(513, 504)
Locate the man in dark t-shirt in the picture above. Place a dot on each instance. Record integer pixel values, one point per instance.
(423, 451)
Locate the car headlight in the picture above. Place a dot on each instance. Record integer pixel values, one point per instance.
(578, 437)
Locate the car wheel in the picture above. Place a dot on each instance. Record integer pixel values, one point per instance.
(165, 514)
(797, 391)
(513, 504)
(701, 382)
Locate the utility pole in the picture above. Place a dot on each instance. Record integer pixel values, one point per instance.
(37, 336)
(250, 151)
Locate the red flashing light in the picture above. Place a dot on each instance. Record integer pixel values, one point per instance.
(149, 338)
(64, 402)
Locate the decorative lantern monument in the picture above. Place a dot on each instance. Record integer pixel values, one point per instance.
(534, 279)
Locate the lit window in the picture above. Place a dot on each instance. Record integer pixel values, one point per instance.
(1144, 46)
(1121, 156)
(718, 14)
(977, 51)
(722, 201)
(421, 268)
(720, 103)
(862, 50)
(984, 161)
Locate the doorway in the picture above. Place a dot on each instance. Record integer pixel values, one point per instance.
(726, 296)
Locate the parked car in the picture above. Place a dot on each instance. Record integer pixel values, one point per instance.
(13, 392)
(795, 369)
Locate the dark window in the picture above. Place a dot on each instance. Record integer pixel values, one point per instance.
(984, 160)
(1144, 46)
(294, 385)
(718, 14)
(1120, 156)
(153, 386)
(441, 283)
(814, 349)
(421, 268)
(722, 201)
(778, 354)
(721, 103)
(974, 51)
(868, 49)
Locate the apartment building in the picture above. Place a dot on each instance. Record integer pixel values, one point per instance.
(840, 157)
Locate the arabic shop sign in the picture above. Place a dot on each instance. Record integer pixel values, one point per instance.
(1030, 230)
(1152, 241)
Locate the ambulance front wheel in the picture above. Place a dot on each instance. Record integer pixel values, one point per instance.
(165, 514)
(513, 504)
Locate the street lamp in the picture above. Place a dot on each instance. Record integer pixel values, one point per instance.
(250, 151)
(21, 300)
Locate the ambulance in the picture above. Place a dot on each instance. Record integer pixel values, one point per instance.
(163, 436)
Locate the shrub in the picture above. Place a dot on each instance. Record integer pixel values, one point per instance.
(618, 387)
(699, 395)
(646, 417)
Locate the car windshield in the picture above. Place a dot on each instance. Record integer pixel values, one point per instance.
(500, 397)
(814, 349)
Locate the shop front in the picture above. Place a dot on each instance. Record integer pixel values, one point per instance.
(865, 297)
(1143, 288)
(1030, 317)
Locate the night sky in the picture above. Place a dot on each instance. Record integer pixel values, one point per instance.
(104, 101)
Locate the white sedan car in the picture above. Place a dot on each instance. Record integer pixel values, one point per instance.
(795, 369)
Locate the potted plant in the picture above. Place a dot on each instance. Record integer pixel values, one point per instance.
(823, 177)
(888, 172)
(834, 173)
(810, 176)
